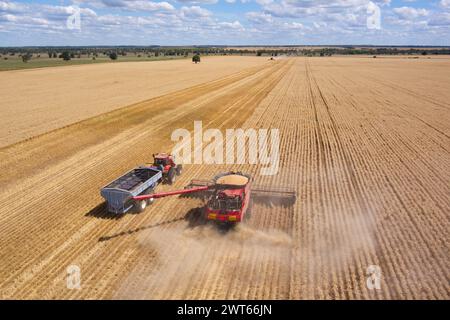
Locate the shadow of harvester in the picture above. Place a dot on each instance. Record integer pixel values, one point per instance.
(194, 218)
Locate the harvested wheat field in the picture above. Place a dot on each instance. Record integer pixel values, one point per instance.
(364, 142)
(37, 101)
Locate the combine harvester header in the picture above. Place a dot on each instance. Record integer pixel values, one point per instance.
(230, 196)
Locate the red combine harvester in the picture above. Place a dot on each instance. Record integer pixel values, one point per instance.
(230, 196)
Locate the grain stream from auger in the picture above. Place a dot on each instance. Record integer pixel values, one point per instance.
(366, 149)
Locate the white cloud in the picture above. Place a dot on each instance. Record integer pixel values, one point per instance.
(293, 26)
(440, 20)
(445, 3)
(320, 25)
(259, 17)
(179, 22)
(409, 13)
(12, 7)
(195, 12)
(232, 25)
(24, 20)
(263, 2)
(149, 6)
(198, 1)
(133, 5)
(63, 12)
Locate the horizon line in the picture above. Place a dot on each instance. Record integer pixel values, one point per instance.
(230, 45)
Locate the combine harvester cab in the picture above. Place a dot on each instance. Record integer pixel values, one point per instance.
(231, 196)
(230, 200)
(139, 181)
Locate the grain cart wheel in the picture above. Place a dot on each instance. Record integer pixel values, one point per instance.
(179, 169)
(150, 201)
(148, 192)
(172, 176)
(141, 205)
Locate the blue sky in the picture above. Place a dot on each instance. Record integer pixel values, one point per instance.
(226, 22)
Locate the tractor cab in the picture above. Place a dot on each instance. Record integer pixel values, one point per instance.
(163, 160)
(166, 163)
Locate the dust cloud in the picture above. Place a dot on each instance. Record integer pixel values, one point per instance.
(188, 256)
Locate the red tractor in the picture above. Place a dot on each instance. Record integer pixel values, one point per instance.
(230, 196)
(165, 163)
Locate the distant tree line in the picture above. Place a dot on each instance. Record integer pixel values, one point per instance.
(353, 51)
(114, 53)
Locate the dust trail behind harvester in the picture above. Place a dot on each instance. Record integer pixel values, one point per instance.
(189, 257)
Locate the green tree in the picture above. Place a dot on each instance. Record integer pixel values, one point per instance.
(113, 56)
(65, 56)
(27, 57)
(196, 58)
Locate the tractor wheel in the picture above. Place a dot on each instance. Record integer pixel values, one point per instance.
(179, 169)
(141, 205)
(172, 176)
